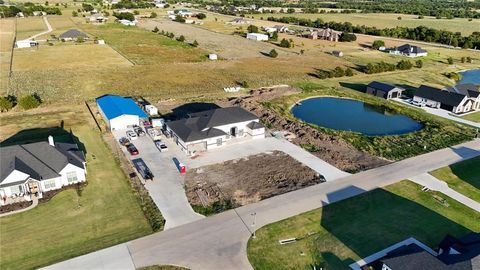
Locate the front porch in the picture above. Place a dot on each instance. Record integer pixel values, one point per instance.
(21, 192)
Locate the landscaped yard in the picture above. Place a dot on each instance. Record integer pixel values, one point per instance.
(475, 117)
(341, 233)
(463, 177)
(58, 229)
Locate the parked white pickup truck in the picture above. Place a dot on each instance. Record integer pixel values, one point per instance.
(154, 133)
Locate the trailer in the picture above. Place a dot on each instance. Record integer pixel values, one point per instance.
(154, 133)
(142, 169)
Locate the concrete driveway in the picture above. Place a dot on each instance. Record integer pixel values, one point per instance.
(166, 189)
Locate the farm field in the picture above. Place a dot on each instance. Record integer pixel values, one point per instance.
(7, 34)
(109, 213)
(463, 177)
(341, 233)
(29, 26)
(380, 20)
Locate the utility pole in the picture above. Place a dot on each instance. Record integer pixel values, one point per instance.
(254, 214)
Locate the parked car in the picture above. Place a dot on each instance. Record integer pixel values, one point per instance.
(143, 169)
(139, 131)
(162, 147)
(124, 141)
(132, 149)
(131, 135)
(154, 133)
(146, 123)
(419, 104)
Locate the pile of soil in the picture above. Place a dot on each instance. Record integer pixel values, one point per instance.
(248, 180)
(330, 148)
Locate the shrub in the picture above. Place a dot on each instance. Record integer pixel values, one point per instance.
(135, 12)
(419, 63)
(404, 65)
(274, 36)
(74, 14)
(155, 30)
(339, 72)
(252, 28)
(273, 53)
(181, 38)
(348, 72)
(201, 16)
(153, 15)
(195, 43)
(5, 104)
(469, 59)
(244, 84)
(450, 60)
(462, 59)
(348, 37)
(377, 44)
(285, 43)
(179, 19)
(28, 102)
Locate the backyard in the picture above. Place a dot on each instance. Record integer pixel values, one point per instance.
(341, 233)
(104, 214)
(463, 177)
(475, 117)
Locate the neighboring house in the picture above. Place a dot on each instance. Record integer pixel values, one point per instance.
(257, 36)
(213, 128)
(127, 22)
(96, 18)
(325, 34)
(120, 112)
(39, 13)
(72, 34)
(281, 28)
(26, 43)
(408, 50)
(453, 254)
(269, 29)
(384, 90)
(337, 53)
(35, 168)
(20, 15)
(457, 100)
(239, 21)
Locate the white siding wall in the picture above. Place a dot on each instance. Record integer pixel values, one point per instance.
(123, 121)
(239, 126)
(428, 102)
(71, 168)
(15, 176)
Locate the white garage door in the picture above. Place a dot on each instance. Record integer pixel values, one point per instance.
(122, 122)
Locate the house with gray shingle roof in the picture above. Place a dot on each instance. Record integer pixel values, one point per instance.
(213, 128)
(458, 99)
(72, 34)
(34, 168)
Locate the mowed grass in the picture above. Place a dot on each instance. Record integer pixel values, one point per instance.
(341, 233)
(463, 177)
(29, 26)
(58, 230)
(144, 47)
(388, 20)
(68, 56)
(475, 117)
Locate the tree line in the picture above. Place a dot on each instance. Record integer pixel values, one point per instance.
(421, 33)
(27, 9)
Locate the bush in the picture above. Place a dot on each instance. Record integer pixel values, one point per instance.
(450, 60)
(274, 36)
(285, 43)
(377, 44)
(273, 53)
(195, 43)
(153, 15)
(74, 14)
(347, 37)
(28, 102)
(404, 65)
(244, 84)
(179, 19)
(5, 104)
(201, 16)
(348, 72)
(135, 12)
(124, 16)
(181, 38)
(252, 28)
(419, 63)
(155, 30)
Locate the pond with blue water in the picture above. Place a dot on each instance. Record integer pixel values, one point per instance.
(353, 115)
(470, 76)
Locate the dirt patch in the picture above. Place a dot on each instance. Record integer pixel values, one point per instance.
(330, 148)
(14, 206)
(248, 180)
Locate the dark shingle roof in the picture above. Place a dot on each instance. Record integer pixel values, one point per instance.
(467, 89)
(444, 97)
(202, 125)
(39, 160)
(407, 49)
(412, 257)
(255, 125)
(383, 86)
(73, 33)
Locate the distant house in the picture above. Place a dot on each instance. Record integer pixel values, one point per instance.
(459, 99)
(211, 129)
(27, 43)
(127, 22)
(72, 34)
(325, 34)
(34, 168)
(337, 53)
(384, 90)
(257, 36)
(269, 29)
(39, 13)
(239, 21)
(281, 28)
(212, 56)
(96, 18)
(120, 112)
(408, 50)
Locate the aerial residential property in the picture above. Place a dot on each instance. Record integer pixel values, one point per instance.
(232, 135)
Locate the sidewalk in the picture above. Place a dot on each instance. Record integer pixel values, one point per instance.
(433, 183)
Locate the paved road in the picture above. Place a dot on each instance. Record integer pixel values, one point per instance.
(220, 242)
(433, 183)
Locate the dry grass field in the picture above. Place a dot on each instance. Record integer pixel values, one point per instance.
(380, 20)
(7, 34)
(29, 26)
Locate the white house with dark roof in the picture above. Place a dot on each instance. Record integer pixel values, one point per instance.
(408, 50)
(384, 90)
(72, 34)
(34, 168)
(458, 99)
(213, 128)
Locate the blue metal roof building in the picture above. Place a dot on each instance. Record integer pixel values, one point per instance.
(120, 112)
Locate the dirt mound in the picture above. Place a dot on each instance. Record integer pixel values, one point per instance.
(248, 180)
(330, 148)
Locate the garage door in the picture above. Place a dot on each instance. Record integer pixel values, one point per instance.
(446, 107)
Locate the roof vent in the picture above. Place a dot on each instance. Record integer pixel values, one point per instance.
(50, 140)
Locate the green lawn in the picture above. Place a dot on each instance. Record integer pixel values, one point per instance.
(341, 233)
(475, 117)
(463, 177)
(58, 230)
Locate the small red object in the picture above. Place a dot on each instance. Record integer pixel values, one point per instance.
(182, 167)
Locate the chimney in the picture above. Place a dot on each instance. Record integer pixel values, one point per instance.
(50, 140)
